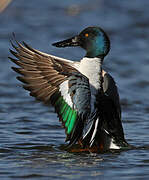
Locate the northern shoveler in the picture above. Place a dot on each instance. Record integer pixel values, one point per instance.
(85, 97)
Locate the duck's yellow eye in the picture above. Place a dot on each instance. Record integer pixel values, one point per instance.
(86, 35)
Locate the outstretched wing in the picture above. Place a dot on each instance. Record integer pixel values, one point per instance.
(55, 80)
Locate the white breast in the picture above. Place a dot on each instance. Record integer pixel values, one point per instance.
(91, 68)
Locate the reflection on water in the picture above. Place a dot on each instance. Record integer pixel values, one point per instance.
(31, 138)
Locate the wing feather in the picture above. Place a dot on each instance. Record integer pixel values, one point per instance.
(38, 69)
(42, 75)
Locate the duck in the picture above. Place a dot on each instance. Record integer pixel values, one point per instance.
(84, 95)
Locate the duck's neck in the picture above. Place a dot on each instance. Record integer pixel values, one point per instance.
(92, 68)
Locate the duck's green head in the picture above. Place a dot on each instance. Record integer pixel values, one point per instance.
(93, 39)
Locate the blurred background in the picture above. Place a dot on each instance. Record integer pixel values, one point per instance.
(30, 134)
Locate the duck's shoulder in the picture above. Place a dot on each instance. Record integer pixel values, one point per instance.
(108, 81)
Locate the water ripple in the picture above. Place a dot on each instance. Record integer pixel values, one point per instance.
(32, 140)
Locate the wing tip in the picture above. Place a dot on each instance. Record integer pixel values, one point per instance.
(21, 78)
(13, 60)
(13, 53)
(17, 70)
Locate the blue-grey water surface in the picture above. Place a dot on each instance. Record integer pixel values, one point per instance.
(30, 133)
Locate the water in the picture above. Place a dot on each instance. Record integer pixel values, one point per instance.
(30, 134)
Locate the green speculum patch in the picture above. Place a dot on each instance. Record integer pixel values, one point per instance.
(67, 114)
